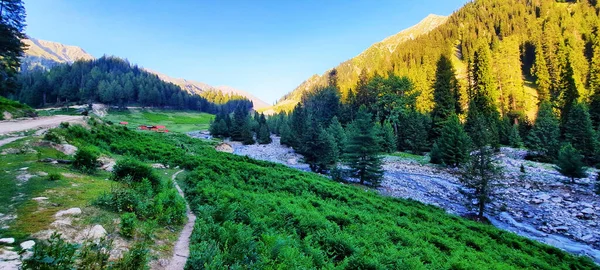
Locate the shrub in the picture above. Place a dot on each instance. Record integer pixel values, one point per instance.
(54, 253)
(85, 160)
(94, 255)
(64, 125)
(52, 136)
(54, 176)
(128, 222)
(135, 258)
(137, 170)
(169, 208)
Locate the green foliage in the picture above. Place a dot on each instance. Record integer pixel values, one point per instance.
(481, 174)
(54, 253)
(113, 81)
(543, 140)
(322, 104)
(453, 146)
(258, 215)
(15, 108)
(318, 147)
(336, 130)
(570, 163)
(128, 225)
(387, 138)
(52, 136)
(362, 150)
(579, 131)
(169, 207)
(136, 258)
(12, 32)
(136, 170)
(263, 135)
(94, 255)
(86, 160)
(53, 176)
(413, 130)
(514, 138)
(287, 138)
(446, 95)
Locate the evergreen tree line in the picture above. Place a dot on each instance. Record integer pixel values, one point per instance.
(12, 26)
(112, 81)
(240, 126)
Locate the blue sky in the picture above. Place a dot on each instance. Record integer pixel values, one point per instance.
(264, 47)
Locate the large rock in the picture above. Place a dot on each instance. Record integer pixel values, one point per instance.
(67, 149)
(27, 244)
(7, 116)
(7, 240)
(68, 212)
(158, 166)
(107, 163)
(97, 232)
(224, 147)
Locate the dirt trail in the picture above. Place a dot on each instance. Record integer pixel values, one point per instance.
(182, 248)
(39, 122)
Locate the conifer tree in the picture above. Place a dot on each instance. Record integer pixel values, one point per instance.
(413, 132)
(453, 146)
(542, 76)
(482, 172)
(594, 84)
(569, 93)
(362, 151)
(514, 138)
(12, 32)
(318, 147)
(579, 131)
(570, 163)
(445, 95)
(543, 140)
(287, 138)
(297, 126)
(264, 136)
(484, 93)
(336, 130)
(388, 138)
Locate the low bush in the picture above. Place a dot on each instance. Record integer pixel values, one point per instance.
(169, 208)
(54, 253)
(94, 254)
(64, 125)
(54, 176)
(136, 170)
(86, 160)
(52, 136)
(128, 223)
(136, 258)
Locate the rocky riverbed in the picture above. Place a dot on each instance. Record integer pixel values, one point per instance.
(539, 204)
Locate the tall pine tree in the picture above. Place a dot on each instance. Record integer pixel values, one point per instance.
(362, 151)
(453, 145)
(579, 131)
(543, 139)
(445, 95)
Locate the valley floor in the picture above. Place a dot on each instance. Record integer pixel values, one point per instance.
(539, 204)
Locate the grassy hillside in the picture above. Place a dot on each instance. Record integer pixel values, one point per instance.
(176, 121)
(16, 109)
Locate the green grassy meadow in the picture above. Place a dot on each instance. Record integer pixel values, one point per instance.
(175, 121)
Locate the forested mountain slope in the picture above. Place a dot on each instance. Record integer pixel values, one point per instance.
(531, 43)
(112, 81)
(47, 54)
(378, 55)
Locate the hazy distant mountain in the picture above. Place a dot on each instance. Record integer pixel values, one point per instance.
(199, 87)
(46, 54)
(376, 55)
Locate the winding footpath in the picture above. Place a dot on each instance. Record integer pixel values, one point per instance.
(181, 250)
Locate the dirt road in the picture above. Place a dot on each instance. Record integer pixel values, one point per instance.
(39, 122)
